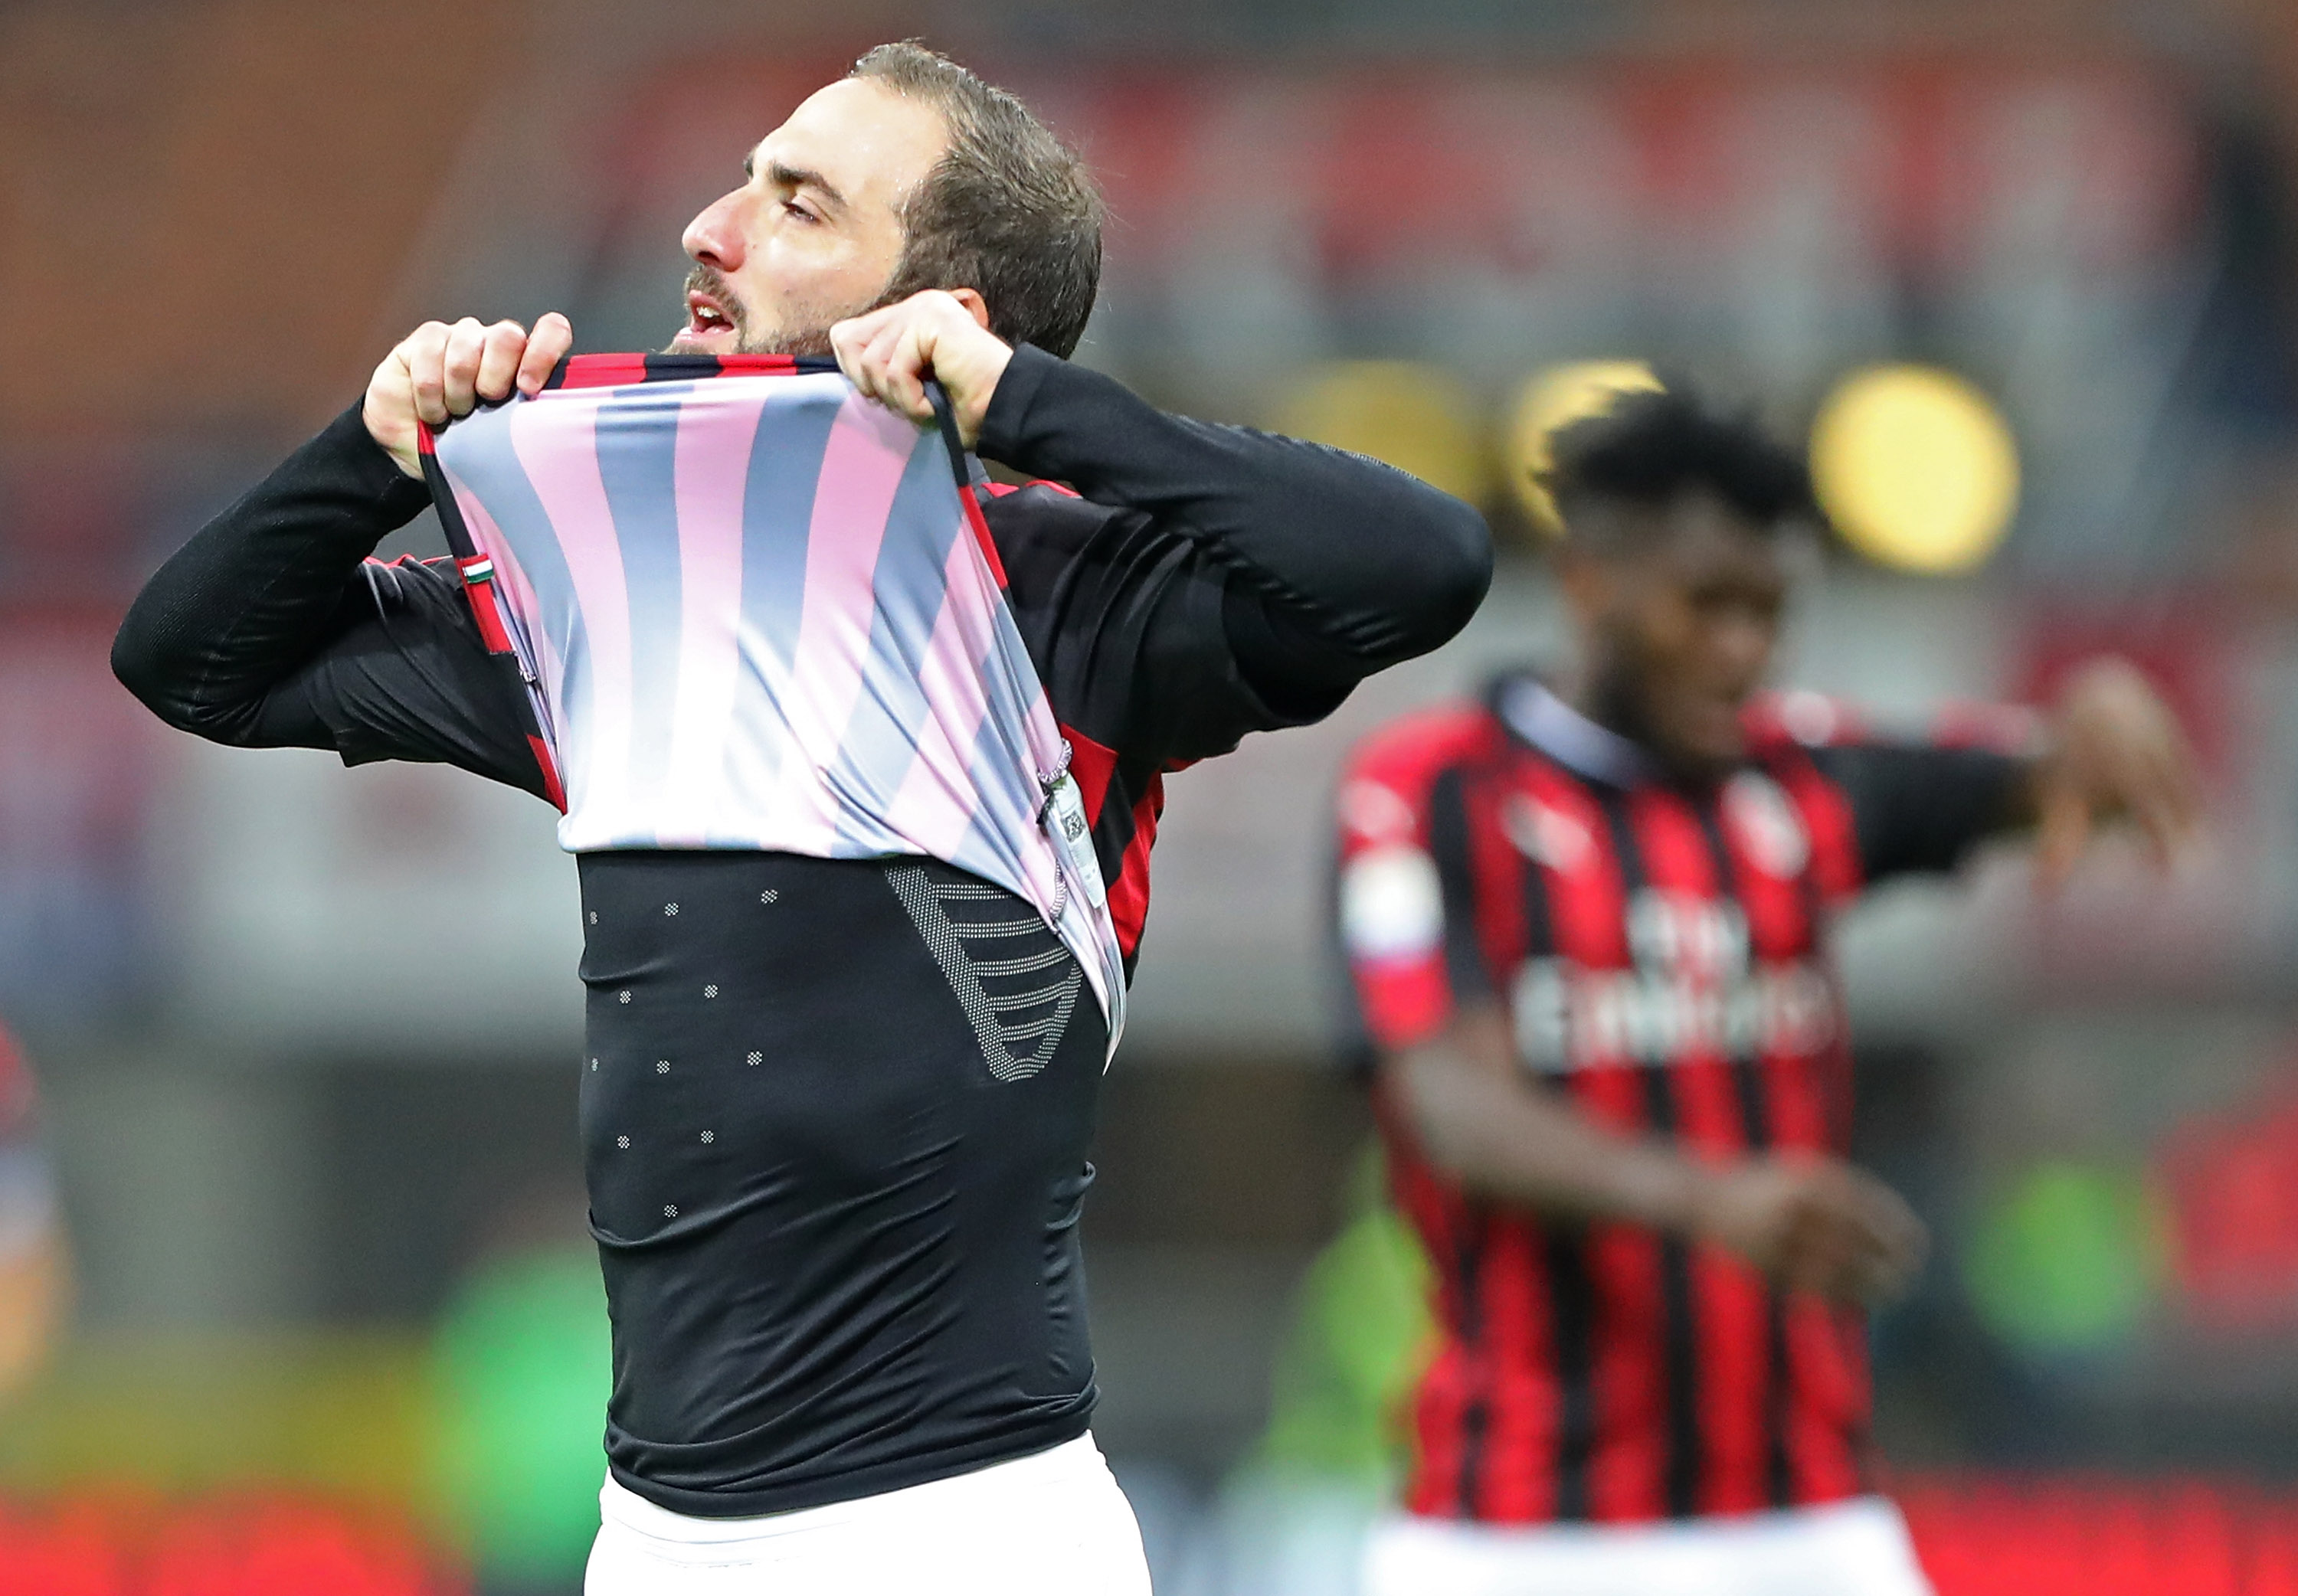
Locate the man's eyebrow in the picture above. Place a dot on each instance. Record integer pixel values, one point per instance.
(784, 176)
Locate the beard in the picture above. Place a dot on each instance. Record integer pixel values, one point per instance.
(809, 339)
(800, 340)
(806, 339)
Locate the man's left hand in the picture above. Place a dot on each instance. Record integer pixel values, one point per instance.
(2116, 750)
(889, 354)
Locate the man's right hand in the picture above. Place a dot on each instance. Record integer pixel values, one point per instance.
(1814, 1224)
(439, 372)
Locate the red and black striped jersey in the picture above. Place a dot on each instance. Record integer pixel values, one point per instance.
(1660, 950)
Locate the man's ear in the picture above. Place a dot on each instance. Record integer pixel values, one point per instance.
(975, 306)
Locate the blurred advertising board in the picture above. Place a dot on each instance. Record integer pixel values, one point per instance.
(392, 910)
(77, 763)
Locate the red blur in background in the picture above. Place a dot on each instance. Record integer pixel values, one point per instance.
(2233, 1190)
(1994, 1535)
(265, 1545)
(1977, 1534)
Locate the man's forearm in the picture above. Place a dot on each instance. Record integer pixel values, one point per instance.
(1500, 1141)
(253, 592)
(1377, 562)
(1476, 1117)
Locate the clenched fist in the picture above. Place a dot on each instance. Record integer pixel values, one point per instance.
(439, 372)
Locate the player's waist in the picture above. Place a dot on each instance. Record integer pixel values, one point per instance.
(1552, 1305)
(1861, 1539)
(992, 1488)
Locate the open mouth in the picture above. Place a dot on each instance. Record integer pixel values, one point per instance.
(707, 322)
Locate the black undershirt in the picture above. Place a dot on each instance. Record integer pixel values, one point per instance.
(847, 1232)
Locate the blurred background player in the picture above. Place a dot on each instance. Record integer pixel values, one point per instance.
(1587, 921)
(33, 1273)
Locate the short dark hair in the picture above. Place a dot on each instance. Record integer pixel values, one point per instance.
(1008, 211)
(1651, 449)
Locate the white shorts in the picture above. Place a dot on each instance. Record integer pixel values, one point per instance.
(1857, 1548)
(1052, 1523)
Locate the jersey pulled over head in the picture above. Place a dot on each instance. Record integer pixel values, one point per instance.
(757, 611)
(1671, 566)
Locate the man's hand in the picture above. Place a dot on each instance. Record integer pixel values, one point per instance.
(439, 372)
(2115, 750)
(1814, 1224)
(890, 353)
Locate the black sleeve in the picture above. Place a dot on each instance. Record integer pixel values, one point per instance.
(1920, 808)
(272, 628)
(1316, 566)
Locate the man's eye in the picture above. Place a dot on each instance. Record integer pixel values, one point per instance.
(799, 211)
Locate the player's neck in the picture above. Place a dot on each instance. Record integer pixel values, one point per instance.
(1609, 700)
(1603, 698)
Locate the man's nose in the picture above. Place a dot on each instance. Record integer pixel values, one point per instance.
(715, 237)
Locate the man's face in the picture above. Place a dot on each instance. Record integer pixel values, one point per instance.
(1680, 627)
(813, 234)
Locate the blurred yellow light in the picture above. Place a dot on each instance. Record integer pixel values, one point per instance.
(1917, 467)
(1554, 399)
(1414, 417)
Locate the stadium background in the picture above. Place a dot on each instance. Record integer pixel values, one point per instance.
(304, 1034)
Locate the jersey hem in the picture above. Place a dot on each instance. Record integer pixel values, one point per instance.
(874, 1480)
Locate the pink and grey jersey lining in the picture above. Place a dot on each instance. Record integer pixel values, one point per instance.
(756, 610)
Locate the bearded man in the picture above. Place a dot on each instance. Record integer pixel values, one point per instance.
(835, 1106)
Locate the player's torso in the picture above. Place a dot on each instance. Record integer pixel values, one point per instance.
(1660, 952)
(834, 1115)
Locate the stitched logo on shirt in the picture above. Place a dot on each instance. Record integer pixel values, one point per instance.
(1005, 1008)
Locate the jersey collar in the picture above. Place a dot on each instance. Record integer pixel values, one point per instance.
(1537, 716)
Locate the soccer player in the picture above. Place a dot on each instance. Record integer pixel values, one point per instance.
(1586, 921)
(848, 1317)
